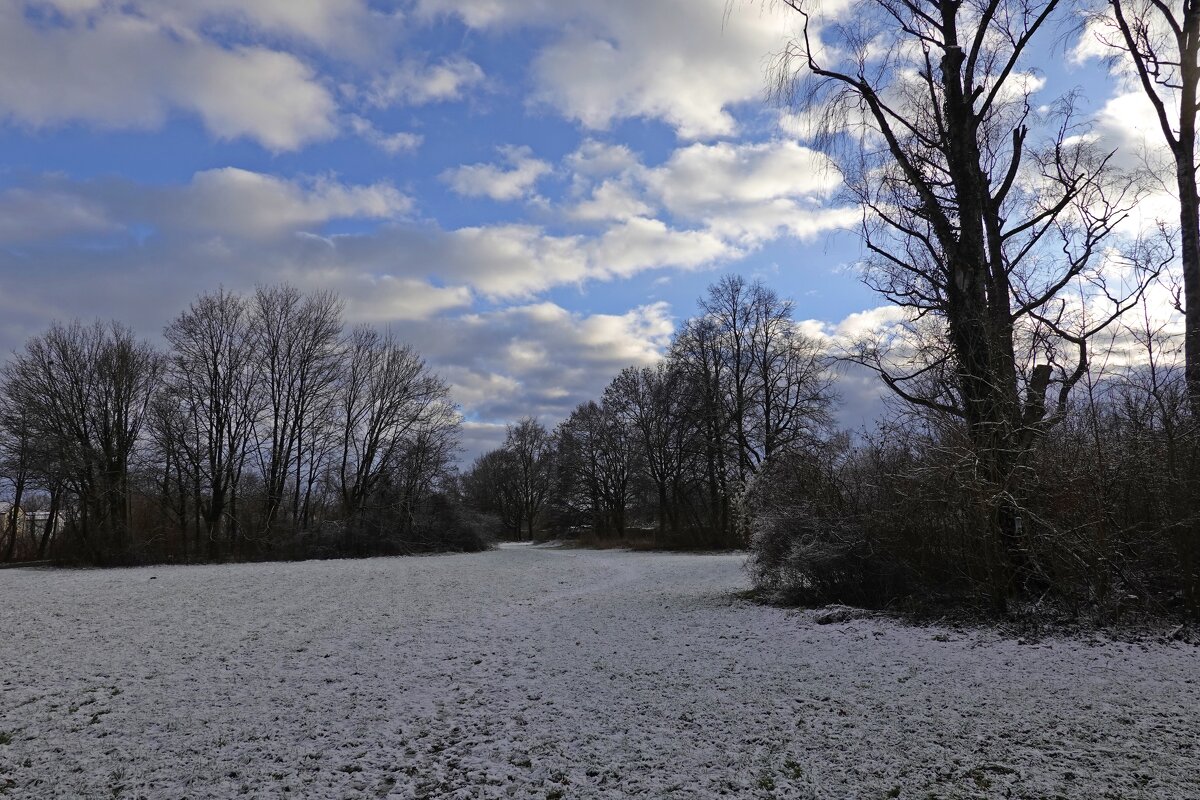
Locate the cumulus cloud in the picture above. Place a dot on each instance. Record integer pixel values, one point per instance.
(510, 182)
(417, 83)
(685, 62)
(326, 23)
(115, 68)
(597, 159)
(262, 71)
(240, 227)
(742, 193)
(611, 200)
(751, 192)
(699, 177)
(1128, 125)
(226, 201)
(118, 248)
(253, 204)
(639, 244)
(382, 299)
(390, 143)
(540, 358)
(510, 261)
(40, 214)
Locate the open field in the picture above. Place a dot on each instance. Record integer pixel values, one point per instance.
(532, 672)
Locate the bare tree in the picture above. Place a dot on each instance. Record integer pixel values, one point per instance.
(492, 486)
(1160, 39)
(652, 402)
(698, 354)
(597, 458)
(757, 386)
(211, 383)
(172, 467)
(792, 387)
(392, 414)
(86, 390)
(425, 464)
(979, 209)
(531, 450)
(729, 308)
(297, 343)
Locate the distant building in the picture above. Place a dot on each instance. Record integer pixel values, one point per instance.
(31, 525)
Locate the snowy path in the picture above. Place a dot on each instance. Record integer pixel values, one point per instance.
(546, 673)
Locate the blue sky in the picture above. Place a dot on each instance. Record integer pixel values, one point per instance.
(533, 192)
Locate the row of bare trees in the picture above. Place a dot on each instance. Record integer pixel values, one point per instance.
(267, 429)
(668, 448)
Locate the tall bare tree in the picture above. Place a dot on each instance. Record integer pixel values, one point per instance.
(211, 378)
(698, 354)
(597, 459)
(531, 452)
(653, 403)
(297, 342)
(390, 408)
(1160, 40)
(790, 381)
(981, 210)
(492, 485)
(729, 308)
(86, 390)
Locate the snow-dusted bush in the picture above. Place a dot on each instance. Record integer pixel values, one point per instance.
(801, 557)
(907, 517)
(808, 545)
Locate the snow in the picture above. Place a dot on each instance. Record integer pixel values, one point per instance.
(554, 673)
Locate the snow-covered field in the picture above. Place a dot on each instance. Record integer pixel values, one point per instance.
(548, 673)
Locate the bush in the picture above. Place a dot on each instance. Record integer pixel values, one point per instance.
(1107, 522)
(801, 558)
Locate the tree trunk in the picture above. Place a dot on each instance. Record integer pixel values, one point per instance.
(1189, 224)
(51, 522)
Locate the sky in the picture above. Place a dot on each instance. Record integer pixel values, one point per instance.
(533, 193)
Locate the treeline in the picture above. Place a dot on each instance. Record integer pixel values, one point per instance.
(667, 451)
(266, 429)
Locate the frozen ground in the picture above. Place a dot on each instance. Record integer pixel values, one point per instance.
(553, 674)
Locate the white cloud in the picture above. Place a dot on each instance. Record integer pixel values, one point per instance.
(416, 83)
(870, 323)
(700, 178)
(611, 200)
(228, 201)
(540, 358)
(1127, 126)
(685, 62)
(252, 204)
(640, 244)
(390, 143)
(324, 22)
(742, 193)
(117, 69)
(507, 261)
(511, 182)
(37, 215)
(597, 159)
(383, 299)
